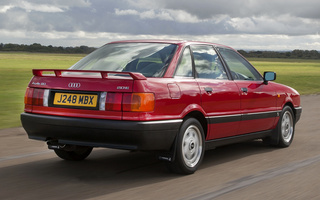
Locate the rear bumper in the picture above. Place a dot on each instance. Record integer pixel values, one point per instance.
(133, 135)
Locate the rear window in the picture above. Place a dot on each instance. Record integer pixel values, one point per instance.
(150, 59)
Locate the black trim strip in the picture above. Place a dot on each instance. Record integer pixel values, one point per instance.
(252, 116)
(211, 144)
(242, 117)
(224, 119)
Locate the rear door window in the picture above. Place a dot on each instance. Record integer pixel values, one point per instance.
(207, 63)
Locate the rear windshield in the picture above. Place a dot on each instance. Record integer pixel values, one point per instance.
(150, 59)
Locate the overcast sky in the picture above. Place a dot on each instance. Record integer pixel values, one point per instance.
(242, 24)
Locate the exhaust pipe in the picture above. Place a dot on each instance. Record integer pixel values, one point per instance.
(53, 144)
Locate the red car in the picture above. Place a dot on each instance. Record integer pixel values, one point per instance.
(177, 98)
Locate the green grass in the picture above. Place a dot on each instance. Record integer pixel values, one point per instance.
(15, 74)
(302, 75)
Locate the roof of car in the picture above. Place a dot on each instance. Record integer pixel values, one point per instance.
(180, 42)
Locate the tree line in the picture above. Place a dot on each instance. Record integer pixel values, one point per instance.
(295, 54)
(36, 47)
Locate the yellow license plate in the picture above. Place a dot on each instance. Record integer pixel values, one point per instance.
(66, 99)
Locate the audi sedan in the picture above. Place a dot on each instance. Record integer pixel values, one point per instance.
(176, 98)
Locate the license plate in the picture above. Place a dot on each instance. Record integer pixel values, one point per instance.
(82, 100)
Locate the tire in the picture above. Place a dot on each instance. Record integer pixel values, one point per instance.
(76, 154)
(189, 148)
(284, 132)
(286, 127)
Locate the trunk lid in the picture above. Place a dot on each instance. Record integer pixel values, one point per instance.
(79, 93)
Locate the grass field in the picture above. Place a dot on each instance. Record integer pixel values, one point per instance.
(302, 75)
(15, 73)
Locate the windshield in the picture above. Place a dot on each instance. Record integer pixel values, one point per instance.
(150, 59)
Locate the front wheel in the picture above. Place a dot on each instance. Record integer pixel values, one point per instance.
(189, 148)
(286, 127)
(284, 132)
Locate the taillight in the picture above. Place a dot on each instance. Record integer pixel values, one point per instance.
(114, 101)
(128, 102)
(138, 102)
(36, 97)
(28, 96)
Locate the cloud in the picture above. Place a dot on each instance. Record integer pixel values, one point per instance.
(126, 12)
(207, 9)
(4, 9)
(292, 17)
(29, 7)
(165, 16)
(53, 6)
(95, 21)
(162, 14)
(97, 39)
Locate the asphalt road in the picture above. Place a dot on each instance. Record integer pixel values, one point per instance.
(28, 170)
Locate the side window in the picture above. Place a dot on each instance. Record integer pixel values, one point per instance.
(239, 67)
(184, 69)
(207, 63)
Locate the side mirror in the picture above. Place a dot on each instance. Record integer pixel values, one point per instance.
(269, 76)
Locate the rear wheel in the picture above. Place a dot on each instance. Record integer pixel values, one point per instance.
(189, 148)
(74, 153)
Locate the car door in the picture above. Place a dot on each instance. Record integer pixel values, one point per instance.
(185, 90)
(258, 100)
(220, 96)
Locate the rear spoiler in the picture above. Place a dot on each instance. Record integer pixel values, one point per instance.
(104, 74)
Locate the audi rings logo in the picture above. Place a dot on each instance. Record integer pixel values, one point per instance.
(74, 85)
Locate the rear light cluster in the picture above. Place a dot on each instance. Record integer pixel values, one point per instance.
(127, 102)
(109, 101)
(36, 97)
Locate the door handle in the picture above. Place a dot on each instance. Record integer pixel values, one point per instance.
(208, 89)
(245, 90)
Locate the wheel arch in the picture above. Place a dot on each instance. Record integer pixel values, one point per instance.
(290, 104)
(201, 118)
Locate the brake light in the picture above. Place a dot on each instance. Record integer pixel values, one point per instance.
(138, 102)
(114, 101)
(36, 97)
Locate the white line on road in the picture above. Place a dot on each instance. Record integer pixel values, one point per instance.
(24, 155)
(252, 179)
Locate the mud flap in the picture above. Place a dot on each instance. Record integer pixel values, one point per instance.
(169, 156)
(273, 139)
